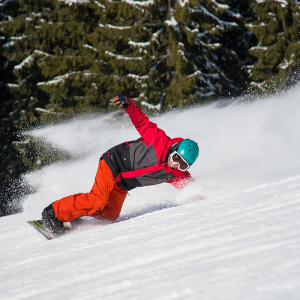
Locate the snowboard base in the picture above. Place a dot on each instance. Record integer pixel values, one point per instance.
(39, 226)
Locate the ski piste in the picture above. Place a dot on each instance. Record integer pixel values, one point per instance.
(39, 226)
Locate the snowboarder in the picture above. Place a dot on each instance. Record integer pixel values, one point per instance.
(152, 159)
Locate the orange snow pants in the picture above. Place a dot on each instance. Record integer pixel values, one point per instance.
(105, 200)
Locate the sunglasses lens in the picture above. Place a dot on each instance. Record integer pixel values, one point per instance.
(182, 164)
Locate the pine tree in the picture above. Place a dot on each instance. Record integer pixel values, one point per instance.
(11, 163)
(73, 58)
(209, 60)
(172, 53)
(278, 50)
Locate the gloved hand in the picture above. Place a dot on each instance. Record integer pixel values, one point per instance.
(120, 100)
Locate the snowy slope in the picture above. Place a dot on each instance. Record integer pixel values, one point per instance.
(233, 234)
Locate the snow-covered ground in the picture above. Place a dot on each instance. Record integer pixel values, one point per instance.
(232, 234)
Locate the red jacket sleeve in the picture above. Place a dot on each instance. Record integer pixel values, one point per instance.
(149, 130)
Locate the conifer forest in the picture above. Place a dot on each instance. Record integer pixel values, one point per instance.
(65, 58)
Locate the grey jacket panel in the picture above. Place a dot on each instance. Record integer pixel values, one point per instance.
(142, 156)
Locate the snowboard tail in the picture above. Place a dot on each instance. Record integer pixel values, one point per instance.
(40, 227)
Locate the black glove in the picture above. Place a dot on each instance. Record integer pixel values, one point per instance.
(121, 101)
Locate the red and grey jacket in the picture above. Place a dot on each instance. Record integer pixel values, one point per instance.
(143, 162)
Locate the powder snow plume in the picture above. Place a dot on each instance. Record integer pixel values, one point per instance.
(242, 145)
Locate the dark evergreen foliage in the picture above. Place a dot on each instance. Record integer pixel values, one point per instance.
(277, 28)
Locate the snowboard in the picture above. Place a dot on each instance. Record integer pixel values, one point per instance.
(39, 225)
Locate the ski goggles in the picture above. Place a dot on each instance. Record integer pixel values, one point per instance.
(180, 161)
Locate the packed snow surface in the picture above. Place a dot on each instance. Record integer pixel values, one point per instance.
(232, 234)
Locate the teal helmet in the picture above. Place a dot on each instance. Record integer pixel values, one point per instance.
(189, 150)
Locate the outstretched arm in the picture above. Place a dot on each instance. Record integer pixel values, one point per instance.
(147, 129)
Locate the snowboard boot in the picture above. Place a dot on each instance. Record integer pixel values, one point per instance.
(51, 222)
